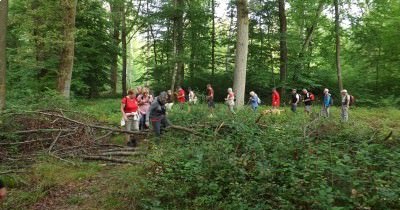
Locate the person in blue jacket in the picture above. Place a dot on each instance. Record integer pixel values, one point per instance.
(327, 102)
(254, 100)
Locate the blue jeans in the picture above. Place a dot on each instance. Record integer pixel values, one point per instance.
(142, 122)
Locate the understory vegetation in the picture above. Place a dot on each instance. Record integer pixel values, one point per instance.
(287, 161)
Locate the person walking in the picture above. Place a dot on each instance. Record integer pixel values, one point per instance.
(181, 97)
(254, 101)
(326, 103)
(157, 114)
(170, 100)
(230, 100)
(345, 105)
(295, 100)
(129, 110)
(192, 96)
(210, 100)
(307, 101)
(144, 100)
(276, 99)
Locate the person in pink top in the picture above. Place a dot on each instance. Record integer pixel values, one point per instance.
(230, 100)
(144, 100)
(276, 99)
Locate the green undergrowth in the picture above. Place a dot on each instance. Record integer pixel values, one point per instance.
(236, 163)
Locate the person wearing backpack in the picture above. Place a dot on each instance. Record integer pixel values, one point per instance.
(276, 99)
(346, 99)
(327, 102)
(130, 115)
(308, 98)
(295, 100)
(254, 101)
(157, 114)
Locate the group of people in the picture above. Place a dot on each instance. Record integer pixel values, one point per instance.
(327, 102)
(140, 108)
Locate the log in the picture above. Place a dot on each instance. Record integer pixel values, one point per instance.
(114, 160)
(122, 153)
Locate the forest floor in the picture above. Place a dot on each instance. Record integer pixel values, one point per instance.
(55, 184)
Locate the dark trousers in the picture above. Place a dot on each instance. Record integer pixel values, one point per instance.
(142, 122)
(159, 125)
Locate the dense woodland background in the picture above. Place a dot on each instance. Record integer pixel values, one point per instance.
(119, 44)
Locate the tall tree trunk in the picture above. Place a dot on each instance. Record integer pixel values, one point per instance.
(124, 51)
(3, 56)
(213, 40)
(179, 43)
(239, 81)
(38, 39)
(178, 72)
(228, 51)
(67, 54)
(337, 31)
(116, 13)
(283, 46)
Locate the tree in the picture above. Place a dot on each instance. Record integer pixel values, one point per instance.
(124, 34)
(337, 37)
(242, 40)
(283, 45)
(178, 72)
(67, 54)
(213, 39)
(115, 9)
(3, 57)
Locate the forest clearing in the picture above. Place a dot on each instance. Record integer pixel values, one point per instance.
(199, 104)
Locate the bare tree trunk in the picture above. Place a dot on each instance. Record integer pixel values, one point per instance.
(337, 31)
(228, 52)
(67, 54)
(239, 81)
(283, 46)
(38, 40)
(178, 72)
(124, 51)
(3, 56)
(179, 43)
(213, 40)
(116, 19)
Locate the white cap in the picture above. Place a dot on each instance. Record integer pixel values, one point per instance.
(344, 91)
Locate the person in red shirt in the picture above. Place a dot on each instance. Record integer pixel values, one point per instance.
(276, 99)
(129, 110)
(210, 99)
(181, 97)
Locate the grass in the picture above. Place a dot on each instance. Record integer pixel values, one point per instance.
(244, 165)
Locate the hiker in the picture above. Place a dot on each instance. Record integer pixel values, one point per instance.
(230, 100)
(181, 97)
(3, 190)
(307, 101)
(144, 100)
(170, 100)
(139, 90)
(345, 105)
(295, 100)
(129, 110)
(276, 99)
(157, 113)
(326, 103)
(210, 99)
(192, 96)
(254, 101)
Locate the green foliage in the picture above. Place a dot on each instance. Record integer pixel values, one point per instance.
(248, 167)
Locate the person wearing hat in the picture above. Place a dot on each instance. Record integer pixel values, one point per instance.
(295, 100)
(327, 103)
(345, 105)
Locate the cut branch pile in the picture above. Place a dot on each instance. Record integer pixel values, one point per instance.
(25, 135)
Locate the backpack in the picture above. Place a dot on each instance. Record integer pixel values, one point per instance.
(352, 100)
(331, 101)
(258, 100)
(312, 97)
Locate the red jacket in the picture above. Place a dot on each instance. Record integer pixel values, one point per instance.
(181, 96)
(276, 99)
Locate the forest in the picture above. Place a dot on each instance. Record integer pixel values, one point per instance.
(65, 65)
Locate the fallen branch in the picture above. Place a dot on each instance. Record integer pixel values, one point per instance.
(122, 153)
(176, 127)
(41, 131)
(24, 142)
(219, 128)
(55, 141)
(114, 160)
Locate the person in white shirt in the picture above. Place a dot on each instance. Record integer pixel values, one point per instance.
(345, 105)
